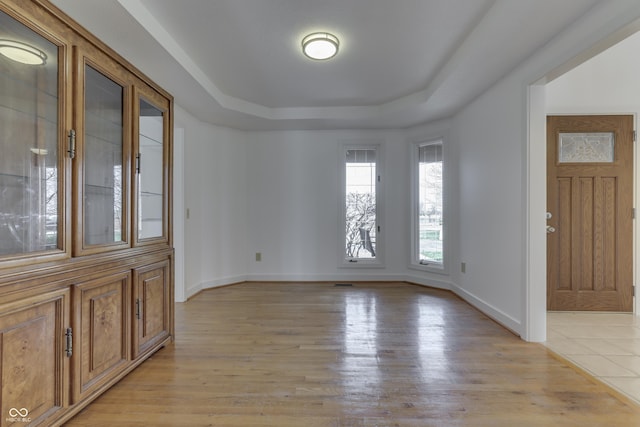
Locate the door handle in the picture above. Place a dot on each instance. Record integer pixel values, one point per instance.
(550, 229)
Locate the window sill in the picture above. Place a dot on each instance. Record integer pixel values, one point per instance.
(361, 263)
(431, 268)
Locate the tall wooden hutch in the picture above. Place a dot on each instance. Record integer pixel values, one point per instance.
(86, 258)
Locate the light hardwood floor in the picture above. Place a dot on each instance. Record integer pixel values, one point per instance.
(313, 354)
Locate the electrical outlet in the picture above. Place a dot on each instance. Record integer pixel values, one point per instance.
(258, 256)
(463, 267)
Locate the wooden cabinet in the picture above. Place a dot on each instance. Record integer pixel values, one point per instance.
(152, 306)
(101, 325)
(86, 277)
(35, 364)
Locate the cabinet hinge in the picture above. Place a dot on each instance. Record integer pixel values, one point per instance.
(137, 308)
(138, 163)
(633, 291)
(72, 144)
(633, 213)
(634, 136)
(69, 336)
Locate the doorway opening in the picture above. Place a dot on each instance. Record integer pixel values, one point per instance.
(604, 344)
(596, 89)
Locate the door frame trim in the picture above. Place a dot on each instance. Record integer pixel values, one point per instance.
(535, 304)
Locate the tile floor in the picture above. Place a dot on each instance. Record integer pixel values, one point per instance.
(606, 345)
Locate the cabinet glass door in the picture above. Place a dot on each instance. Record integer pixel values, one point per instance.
(151, 168)
(103, 158)
(150, 171)
(30, 193)
(103, 131)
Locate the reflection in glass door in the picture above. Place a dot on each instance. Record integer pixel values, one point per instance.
(103, 159)
(150, 172)
(29, 103)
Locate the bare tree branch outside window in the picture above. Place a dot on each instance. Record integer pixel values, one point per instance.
(360, 214)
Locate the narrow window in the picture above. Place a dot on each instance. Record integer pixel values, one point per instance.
(361, 231)
(429, 219)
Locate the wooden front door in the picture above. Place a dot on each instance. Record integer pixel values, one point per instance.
(590, 213)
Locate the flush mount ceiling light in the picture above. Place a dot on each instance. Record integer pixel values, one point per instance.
(22, 52)
(320, 46)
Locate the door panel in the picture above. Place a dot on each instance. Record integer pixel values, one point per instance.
(590, 199)
(152, 306)
(102, 322)
(34, 364)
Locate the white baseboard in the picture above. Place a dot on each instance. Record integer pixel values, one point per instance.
(216, 283)
(498, 315)
(354, 277)
(428, 282)
(432, 283)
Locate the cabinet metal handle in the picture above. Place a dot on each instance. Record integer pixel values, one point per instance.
(138, 162)
(72, 144)
(69, 349)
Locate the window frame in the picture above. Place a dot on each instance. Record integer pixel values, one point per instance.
(415, 262)
(343, 260)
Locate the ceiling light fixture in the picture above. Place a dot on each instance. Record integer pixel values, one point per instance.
(22, 52)
(320, 46)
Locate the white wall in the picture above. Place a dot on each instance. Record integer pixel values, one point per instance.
(491, 241)
(294, 199)
(215, 196)
(294, 196)
(607, 83)
(293, 208)
(502, 177)
(278, 193)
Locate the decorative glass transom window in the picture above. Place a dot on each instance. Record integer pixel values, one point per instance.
(596, 147)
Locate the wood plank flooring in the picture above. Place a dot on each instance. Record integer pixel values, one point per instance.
(313, 354)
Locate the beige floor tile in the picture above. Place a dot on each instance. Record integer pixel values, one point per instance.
(567, 347)
(631, 345)
(631, 363)
(603, 347)
(600, 366)
(607, 345)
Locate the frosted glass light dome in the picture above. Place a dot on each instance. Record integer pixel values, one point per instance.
(22, 52)
(320, 46)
